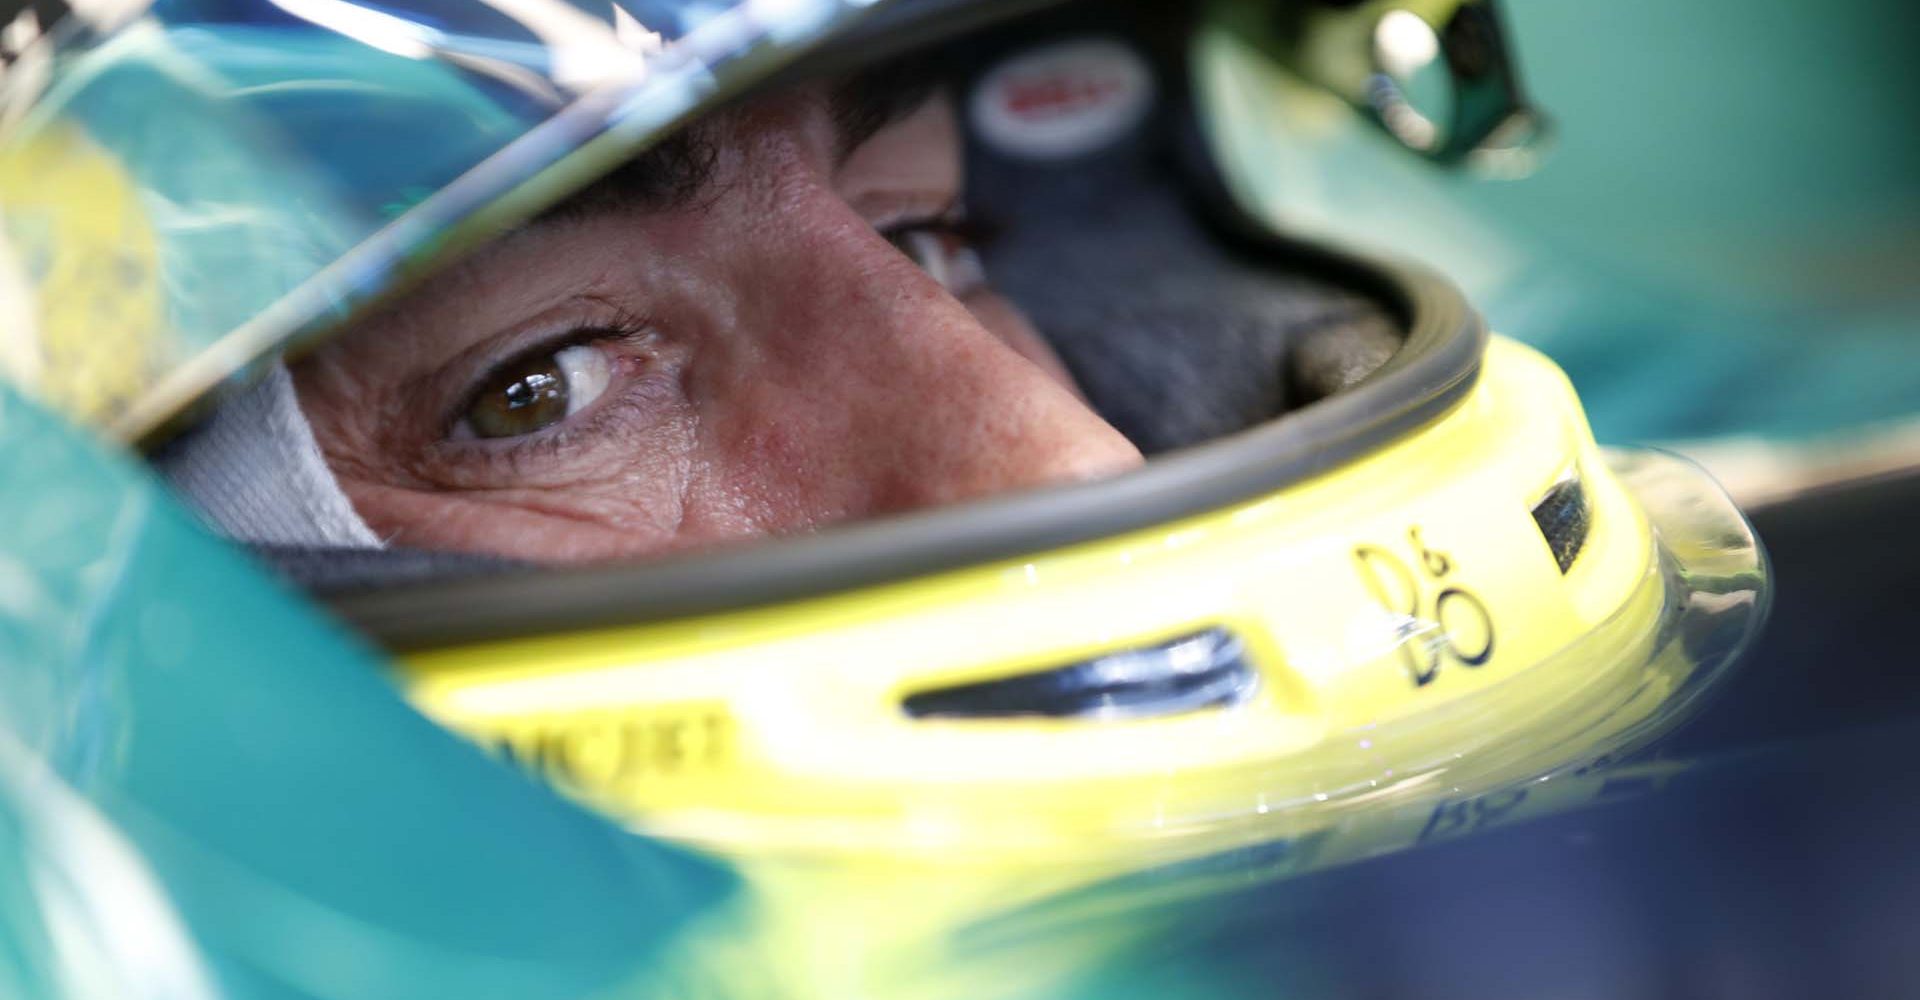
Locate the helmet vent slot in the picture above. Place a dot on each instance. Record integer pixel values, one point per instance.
(1204, 670)
(1565, 516)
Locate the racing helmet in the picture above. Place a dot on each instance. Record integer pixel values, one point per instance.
(1374, 557)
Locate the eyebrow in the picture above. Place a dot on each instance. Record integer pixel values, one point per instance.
(672, 172)
(868, 102)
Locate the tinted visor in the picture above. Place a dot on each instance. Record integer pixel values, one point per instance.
(188, 186)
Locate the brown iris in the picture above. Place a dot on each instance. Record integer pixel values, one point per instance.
(521, 398)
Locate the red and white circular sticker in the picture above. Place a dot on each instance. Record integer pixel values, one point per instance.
(1062, 101)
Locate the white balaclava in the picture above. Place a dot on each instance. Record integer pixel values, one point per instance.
(255, 473)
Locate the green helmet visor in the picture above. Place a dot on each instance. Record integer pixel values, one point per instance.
(221, 177)
(189, 185)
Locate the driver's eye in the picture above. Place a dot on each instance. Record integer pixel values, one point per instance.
(944, 250)
(537, 391)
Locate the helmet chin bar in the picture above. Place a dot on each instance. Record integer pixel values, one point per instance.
(1435, 619)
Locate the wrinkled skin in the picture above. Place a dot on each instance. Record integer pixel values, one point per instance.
(771, 362)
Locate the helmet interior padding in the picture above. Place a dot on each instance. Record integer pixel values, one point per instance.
(1177, 333)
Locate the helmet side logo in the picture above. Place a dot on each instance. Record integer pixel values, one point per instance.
(1063, 101)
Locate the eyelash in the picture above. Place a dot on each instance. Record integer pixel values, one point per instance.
(943, 248)
(624, 326)
(966, 227)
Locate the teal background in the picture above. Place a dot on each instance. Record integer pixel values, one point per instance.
(1724, 236)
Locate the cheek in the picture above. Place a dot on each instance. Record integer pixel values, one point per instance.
(351, 422)
(631, 505)
(764, 470)
(618, 498)
(536, 526)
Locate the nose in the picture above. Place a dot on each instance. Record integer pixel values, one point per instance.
(876, 391)
(968, 414)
